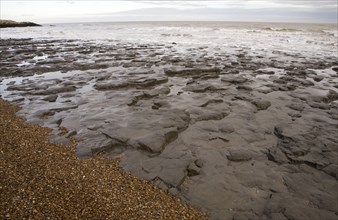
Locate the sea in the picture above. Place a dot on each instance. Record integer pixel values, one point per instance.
(310, 40)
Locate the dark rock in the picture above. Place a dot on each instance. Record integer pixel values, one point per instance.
(318, 78)
(276, 155)
(220, 138)
(172, 176)
(235, 80)
(261, 104)
(104, 146)
(310, 72)
(332, 170)
(133, 101)
(154, 106)
(292, 147)
(50, 112)
(226, 128)
(94, 127)
(190, 81)
(59, 139)
(319, 105)
(294, 207)
(71, 134)
(161, 185)
(153, 143)
(238, 155)
(306, 82)
(141, 83)
(173, 191)
(120, 138)
(242, 87)
(201, 88)
(211, 115)
(296, 106)
(193, 169)
(291, 86)
(170, 135)
(308, 213)
(294, 115)
(267, 72)
(58, 121)
(191, 72)
(160, 91)
(278, 216)
(314, 98)
(278, 131)
(55, 90)
(199, 163)
(281, 81)
(211, 101)
(50, 98)
(111, 85)
(148, 82)
(333, 113)
(159, 104)
(18, 100)
(36, 121)
(208, 76)
(265, 90)
(245, 216)
(331, 96)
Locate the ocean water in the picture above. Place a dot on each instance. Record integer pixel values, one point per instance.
(310, 40)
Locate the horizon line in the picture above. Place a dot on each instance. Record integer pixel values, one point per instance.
(194, 21)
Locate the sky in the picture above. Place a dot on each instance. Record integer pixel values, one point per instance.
(69, 11)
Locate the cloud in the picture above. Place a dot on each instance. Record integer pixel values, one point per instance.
(141, 10)
(224, 10)
(303, 2)
(224, 14)
(247, 4)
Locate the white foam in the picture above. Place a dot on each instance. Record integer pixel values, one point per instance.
(307, 40)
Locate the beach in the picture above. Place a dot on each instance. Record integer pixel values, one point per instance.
(41, 180)
(236, 119)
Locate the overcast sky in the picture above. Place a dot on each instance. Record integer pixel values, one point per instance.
(49, 11)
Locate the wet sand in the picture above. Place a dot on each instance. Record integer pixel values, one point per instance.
(42, 180)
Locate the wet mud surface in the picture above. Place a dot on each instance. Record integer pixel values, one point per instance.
(240, 133)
